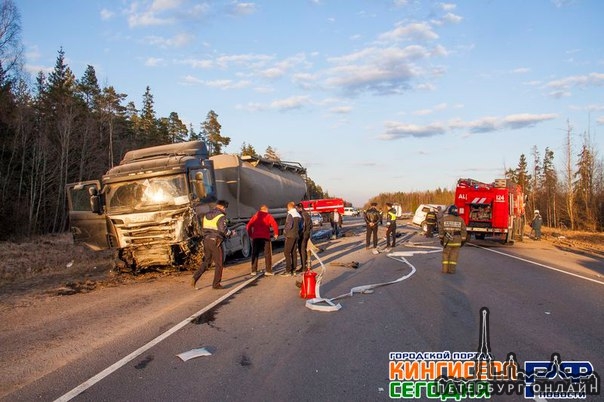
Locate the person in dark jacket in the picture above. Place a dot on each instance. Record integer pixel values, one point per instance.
(373, 217)
(452, 233)
(291, 231)
(214, 232)
(259, 230)
(305, 233)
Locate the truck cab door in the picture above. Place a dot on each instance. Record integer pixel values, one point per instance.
(87, 227)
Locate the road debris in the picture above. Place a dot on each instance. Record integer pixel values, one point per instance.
(352, 264)
(193, 353)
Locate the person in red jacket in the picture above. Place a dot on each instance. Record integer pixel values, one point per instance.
(259, 230)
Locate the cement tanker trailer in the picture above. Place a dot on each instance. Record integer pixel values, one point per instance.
(248, 182)
(149, 208)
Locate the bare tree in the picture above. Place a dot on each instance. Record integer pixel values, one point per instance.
(568, 176)
(11, 49)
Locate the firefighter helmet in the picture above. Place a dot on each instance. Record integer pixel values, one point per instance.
(453, 210)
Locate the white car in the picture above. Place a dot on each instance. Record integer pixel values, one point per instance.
(419, 218)
(350, 211)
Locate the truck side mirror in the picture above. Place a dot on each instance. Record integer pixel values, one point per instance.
(200, 189)
(95, 204)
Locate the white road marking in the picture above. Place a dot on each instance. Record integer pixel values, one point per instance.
(539, 264)
(117, 365)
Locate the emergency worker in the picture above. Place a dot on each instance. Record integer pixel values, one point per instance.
(391, 223)
(431, 220)
(305, 232)
(536, 224)
(372, 219)
(214, 233)
(291, 232)
(452, 234)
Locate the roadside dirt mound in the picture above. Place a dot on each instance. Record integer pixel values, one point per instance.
(51, 264)
(575, 241)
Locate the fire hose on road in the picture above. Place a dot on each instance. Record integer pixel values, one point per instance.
(319, 303)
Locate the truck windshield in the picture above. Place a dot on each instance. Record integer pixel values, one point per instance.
(147, 194)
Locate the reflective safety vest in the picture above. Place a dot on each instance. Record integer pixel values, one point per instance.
(391, 215)
(212, 224)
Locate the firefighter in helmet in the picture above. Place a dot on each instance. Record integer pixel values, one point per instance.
(452, 234)
(431, 221)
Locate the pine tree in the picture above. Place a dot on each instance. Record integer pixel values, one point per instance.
(177, 130)
(248, 149)
(271, 154)
(584, 187)
(62, 107)
(111, 114)
(549, 185)
(210, 130)
(147, 127)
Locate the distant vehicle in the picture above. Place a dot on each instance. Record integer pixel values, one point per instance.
(324, 205)
(350, 211)
(317, 219)
(419, 218)
(398, 210)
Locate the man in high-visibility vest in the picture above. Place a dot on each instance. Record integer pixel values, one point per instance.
(214, 232)
(452, 233)
(391, 223)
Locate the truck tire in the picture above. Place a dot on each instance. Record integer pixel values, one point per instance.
(246, 245)
(479, 236)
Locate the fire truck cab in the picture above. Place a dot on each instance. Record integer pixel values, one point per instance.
(495, 209)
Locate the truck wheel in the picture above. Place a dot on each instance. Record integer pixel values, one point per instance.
(246, 246)
(479, 236)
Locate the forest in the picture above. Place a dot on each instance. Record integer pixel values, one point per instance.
(67, 130)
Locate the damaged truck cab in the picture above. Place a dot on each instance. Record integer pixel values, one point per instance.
(148, 208)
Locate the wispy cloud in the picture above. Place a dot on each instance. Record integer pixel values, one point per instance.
(293, 102)
(396, 130)
(563, 86)
(178, 40)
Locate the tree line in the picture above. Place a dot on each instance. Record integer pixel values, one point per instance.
(570, 198)
(66, 129)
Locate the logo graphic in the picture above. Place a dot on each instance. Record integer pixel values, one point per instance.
(478, 375)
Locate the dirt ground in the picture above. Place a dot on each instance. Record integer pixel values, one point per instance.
(56, 283)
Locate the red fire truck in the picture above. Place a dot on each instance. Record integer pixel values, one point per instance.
(324, 205)
(495, 209)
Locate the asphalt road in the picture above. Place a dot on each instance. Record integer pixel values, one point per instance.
(266, 345)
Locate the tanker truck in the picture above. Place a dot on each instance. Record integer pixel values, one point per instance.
(149, 208)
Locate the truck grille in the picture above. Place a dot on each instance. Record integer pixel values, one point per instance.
(147, 233)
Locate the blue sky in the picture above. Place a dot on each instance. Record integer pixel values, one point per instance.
(371, 96)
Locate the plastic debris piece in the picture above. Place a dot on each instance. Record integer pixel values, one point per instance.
(193, 353)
